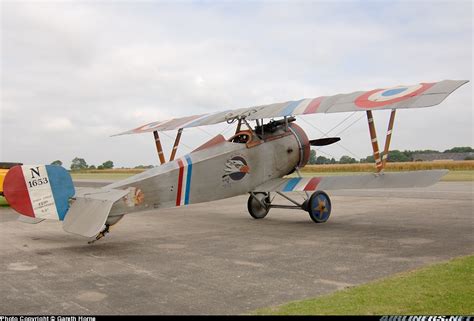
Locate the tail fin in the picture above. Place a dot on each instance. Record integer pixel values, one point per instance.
(39, 191)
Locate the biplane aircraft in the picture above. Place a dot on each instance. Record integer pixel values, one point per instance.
(255, 160)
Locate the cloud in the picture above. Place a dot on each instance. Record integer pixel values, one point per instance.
(56, 124)
(89, 70)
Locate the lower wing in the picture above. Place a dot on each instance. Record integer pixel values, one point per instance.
(363, 181)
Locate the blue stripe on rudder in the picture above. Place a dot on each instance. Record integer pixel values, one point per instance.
(62, 187)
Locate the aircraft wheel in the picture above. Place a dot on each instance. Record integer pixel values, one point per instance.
(319, 207)
(256, 210)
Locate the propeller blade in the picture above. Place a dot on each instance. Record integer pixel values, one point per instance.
(324, 141)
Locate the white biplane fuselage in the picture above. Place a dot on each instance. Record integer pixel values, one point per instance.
(223, 170)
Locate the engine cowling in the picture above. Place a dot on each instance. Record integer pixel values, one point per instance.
(303, 143)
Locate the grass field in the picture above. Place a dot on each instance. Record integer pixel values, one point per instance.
(3, 201)
(441, 289)
(104, 176)
(393, 167)
(452, 176)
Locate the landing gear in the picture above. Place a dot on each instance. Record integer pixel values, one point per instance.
(319, 207)
(259, 205)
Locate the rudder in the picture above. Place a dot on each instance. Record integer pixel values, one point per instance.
(39, 191)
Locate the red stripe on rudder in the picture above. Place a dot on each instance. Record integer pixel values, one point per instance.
(16, 192)
(180, 182)
(312, 184)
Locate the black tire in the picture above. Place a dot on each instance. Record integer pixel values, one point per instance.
(319, 207)
(255, 208)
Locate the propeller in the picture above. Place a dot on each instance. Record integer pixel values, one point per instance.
(324, 141)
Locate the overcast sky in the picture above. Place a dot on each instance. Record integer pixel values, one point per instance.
(74, 73)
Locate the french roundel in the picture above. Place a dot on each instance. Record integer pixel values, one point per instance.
(383, 97)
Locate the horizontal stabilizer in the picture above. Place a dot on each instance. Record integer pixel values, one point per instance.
(363, 181)
(89, 212)
(29, 220)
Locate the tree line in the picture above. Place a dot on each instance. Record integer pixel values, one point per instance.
(393, 156)
(78, 164)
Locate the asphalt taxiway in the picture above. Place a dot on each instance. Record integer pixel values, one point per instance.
(213, 258)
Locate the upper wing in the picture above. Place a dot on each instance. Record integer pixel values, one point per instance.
(363, 181)
(415, 96)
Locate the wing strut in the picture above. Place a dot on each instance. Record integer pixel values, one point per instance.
(388, 138)
(176, 143)
(380, 161)
(159, 148)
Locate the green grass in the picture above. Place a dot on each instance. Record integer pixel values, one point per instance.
(458, 176)
(3, 201)
(441, 289)
(104, 176)
(451, 176)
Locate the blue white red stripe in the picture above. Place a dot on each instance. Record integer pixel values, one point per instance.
(184, 181)
(41, 191)
(289, 109)
(301, 184)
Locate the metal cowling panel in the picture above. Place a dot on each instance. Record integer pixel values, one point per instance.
(303, 142)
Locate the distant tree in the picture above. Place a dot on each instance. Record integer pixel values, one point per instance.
(57, 163)
(422, 151)
(332, 161)
(398, 156)
(92, 167)
(78, 164)
(108, 164)
(469, 158)
(322, 160)
(312, 157)
(465, 149)
(347, 160)
(144, 166)
(100, 167)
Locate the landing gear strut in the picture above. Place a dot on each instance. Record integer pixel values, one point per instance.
(318, 205)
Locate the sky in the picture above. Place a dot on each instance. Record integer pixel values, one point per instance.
(73, 73)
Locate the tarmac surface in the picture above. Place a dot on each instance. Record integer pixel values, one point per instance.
(213, 258)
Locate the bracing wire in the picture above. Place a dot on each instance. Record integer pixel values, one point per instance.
(326, 133)
(205, 131)
(181, 143)
(350, 125)
(341, 122)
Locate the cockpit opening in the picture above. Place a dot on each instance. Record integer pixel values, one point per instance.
(242, 137)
